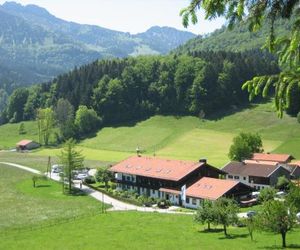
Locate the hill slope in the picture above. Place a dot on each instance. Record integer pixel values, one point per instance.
(180, 137)
(236, 40)
(36, 46)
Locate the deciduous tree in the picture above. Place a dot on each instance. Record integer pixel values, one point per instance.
(256, 12)
(64, 115)
(206, 213)
(244, 145)
(104, 175)
(277, 217)
(226, 212)
(86, 120)
(293, 196)
(267, 194)
(45, 120)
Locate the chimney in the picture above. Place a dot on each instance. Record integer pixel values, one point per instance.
(203, 160)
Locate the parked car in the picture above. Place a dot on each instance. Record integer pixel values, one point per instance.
(81, 176)
(255, 194)
(280, 194)
(56, 168)
(298, 216)
(251, 214)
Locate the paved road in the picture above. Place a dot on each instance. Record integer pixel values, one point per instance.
(21, 167)
(116, 204)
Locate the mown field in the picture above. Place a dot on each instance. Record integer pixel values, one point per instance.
(22, 205)
(40, 218)
(40, 162)
(183, 137)
(135, 230)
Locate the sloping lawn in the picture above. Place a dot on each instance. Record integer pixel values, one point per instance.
(133, 230)
(40, 162)
(24, 206)
(209, 144)
(184, 137)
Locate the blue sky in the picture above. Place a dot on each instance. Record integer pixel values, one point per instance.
(125, 15)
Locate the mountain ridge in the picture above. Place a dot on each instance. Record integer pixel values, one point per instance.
(34, 40)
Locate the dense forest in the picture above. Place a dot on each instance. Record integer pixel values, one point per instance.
(121, 90)
(237, 39)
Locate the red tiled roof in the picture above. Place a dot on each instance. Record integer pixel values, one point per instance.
(169, 190)
(271, 157)
(24, 142)
(156, 168)
(210, 188)
(250, 169)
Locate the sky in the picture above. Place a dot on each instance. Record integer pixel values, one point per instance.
(132, 16)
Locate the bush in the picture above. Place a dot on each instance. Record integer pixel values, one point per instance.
(90, 180)
(266, 194)
(113, 185)
(162, 203)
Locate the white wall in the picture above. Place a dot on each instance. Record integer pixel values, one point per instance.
(241, 179)
(189, 202)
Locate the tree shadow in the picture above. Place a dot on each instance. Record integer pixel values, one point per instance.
(77, 192)
(43, 186)
(292, 246)
(233, 236)
(217, 115)
(212, 230)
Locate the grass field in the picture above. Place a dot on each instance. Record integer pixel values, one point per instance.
(37, 218)
(40, 162)
(25, 206)
(9, 134)
(184, 137)
(133, 230)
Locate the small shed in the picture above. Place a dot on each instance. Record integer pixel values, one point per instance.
(27, 145)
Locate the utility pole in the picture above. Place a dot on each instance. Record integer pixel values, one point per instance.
(49, 166)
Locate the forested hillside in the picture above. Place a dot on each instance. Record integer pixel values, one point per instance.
(121, 90)
(237, 39)
(36, 46)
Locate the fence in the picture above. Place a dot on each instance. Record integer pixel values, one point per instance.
(14, 232)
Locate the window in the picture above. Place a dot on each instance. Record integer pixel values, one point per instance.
(153, 191)
(236, 177)
(187, 200)
(244, 178)
(230, 176)
(194, 201)
(128, 178)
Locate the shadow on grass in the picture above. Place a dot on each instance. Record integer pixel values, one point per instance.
(233, 236)
(43, 186)
(291, 246)
(212, 230)
(217, 115)
(76, 192)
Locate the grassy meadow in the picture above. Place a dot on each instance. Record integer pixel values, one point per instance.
(9, 134)
(134, 230)
(180, 137)
(27, 213)
(40, 162)
(25, 206)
